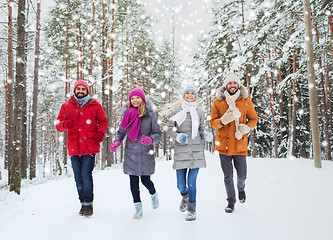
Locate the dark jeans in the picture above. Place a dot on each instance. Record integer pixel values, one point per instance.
(82, 168)
(241, 169)
(134, 182)
(190, 185)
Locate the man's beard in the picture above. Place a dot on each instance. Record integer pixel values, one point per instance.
(231, 93)
(81, 96)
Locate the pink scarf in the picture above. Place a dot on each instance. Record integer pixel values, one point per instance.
(131, 116)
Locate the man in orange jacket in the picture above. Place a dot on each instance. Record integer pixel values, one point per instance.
(234, 116)
(86, 124)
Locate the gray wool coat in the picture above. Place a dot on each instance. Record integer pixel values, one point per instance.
(190, 155)
(139, 159)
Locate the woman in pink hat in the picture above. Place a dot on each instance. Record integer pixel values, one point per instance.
(141, 129)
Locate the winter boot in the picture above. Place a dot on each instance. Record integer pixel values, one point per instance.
(88, 211)
(154, 200)
(138, 210)
(82, 210)
(241, 196)
(191, 214)
(230, 208)
(183, 203)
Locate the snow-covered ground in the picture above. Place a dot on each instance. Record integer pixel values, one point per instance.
(286, 199)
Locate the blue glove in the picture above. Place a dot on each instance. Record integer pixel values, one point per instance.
(208, 136)
(182, 138)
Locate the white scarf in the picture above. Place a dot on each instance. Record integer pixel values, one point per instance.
(180, 117)
(231, 99)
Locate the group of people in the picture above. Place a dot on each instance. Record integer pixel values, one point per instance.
(232, 114)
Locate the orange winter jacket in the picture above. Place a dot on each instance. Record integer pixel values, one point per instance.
(225, 141)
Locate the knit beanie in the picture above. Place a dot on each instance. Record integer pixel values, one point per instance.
(83, 83)
(137, 92)
(191, 88)
(231, 77)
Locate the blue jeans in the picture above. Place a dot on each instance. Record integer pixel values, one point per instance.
(82, 168)
(189, 186)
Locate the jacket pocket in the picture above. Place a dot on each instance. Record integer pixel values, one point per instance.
(92, 145)
(73, 136)
(73, 143)
(242, 144)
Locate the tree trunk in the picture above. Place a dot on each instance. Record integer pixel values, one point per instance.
(9, 99)
(312, 86)
(78, 57)
(110, 122)
(67, 87)
(279, 79)
(329, 99)
(323, 103)
(329, 109)
(294, 109)
(35, 99)
(252, 137)
(92, 41)
(104, 85)
(272, 107)
(24, 137)
(15, 183)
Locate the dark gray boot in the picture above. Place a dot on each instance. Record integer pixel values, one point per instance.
(191, 214)
(241, 196)
(230, 208)
(83, 208)
(183, 203)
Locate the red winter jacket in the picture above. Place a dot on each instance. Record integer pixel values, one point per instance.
(87, 122)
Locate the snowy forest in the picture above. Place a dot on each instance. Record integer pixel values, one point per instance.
(113, 46)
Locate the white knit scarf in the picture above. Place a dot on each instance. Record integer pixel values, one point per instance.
(180, 117)
(231, 99)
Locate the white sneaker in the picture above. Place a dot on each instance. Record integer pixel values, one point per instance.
(154, 200)
(138, 210)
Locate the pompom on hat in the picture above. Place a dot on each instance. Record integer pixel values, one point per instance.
(231, 77)
(137, 92)
(83, 83)
(190, 88)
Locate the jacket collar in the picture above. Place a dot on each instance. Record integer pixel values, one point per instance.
(73, 101)
(220, 92)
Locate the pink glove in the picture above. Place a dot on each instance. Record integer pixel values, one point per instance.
(114, 146)
(69, 124)
(99, 137)
(146, 140)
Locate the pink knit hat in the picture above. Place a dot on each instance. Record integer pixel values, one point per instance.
(137, 92)
(83, 83)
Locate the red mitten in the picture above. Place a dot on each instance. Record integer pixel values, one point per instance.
(69, 124)
(99, 137)
(146, 140)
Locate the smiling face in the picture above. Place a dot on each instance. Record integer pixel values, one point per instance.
(136, 101)
(81, 91)
(189, 96)
(232, 87)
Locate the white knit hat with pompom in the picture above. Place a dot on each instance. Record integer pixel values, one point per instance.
(231, 77)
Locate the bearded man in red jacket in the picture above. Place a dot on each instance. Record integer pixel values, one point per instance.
(86, 123)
